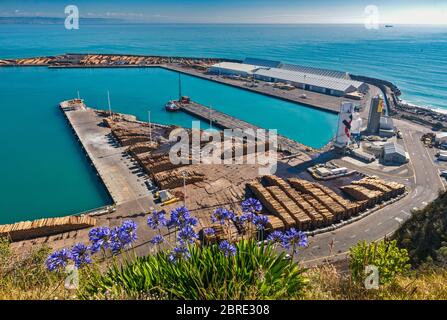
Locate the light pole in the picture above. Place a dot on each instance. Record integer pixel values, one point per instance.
(150, 127)
(211, 119)
(108, 100)
(184, 188)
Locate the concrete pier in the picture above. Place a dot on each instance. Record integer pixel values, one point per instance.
(225, 121)
(117, 170)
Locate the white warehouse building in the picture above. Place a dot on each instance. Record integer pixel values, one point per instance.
(233, 69)
(312, 82)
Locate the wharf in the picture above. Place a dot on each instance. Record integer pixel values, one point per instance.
(225, 121)
(118, 172)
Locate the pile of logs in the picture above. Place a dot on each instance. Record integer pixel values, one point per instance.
(175, 178)
(328, 202)
(45, 227)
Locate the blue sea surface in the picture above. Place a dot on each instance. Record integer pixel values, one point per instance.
(43, 172)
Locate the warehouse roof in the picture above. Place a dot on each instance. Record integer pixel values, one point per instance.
(263, 62)
(312, 70)
(249, 68)
(393, 147)
(309, 79)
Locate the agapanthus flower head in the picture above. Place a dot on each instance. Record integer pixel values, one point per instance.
(181, 217)
(221, 215)
(116, 242)
(276, 237)
(80, 253)
(227, 248)
(100, 237)
(58, 260)
(209, 231)
(294, 238)
(157, 219)
(187, 235)
(261, 221)
(158, 239)
(179, 252)
(127, 232)
(248, 217)
(251, 205)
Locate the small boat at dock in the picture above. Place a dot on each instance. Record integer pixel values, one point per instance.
(172, 105)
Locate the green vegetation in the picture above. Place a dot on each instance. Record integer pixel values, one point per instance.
(385, 255)
(424, 235)
(26, 277)
(254, 272)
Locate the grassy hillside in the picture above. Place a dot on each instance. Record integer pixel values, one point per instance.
(424, 235)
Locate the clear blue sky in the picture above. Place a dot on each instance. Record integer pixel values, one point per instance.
(239, 11)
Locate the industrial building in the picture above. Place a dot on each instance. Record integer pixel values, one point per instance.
(312, 82)
(386, 127)
(329, 82)
(394, 154)
(233, 69)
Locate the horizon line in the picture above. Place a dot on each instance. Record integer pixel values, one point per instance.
(139, 21)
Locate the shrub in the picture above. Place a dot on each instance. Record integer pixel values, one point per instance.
(385, 255)
(253, 272)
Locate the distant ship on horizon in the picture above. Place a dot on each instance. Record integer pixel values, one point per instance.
(389, 26)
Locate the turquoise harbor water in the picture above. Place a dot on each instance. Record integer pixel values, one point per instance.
(44, 174)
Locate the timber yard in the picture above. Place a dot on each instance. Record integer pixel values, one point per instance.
(385, 161)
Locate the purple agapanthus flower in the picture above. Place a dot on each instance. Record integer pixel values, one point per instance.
(227, 248)
(157, 220)
(116, 243)
(247, 218)
(221, 215)
(261, 222)
(209, 231)
(80, 254)
(251, 205)
(100, 237)
(158, 239)
(58, 260)
(276, 237)
(127, 232)
(294, 238)
(179, 253)
(187, 235)
(181, 217)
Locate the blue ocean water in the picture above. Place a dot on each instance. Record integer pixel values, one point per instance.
(43, 173)
(413, 57)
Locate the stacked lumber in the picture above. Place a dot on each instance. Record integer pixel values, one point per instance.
(273, 206)
(141, 147)
(373, 184)
(312, 213)
(352, 208)
(175, 178)
(302, 220)
(310, 188)
(360, 193)
(329, 217)
(45, 227)
(159, 163)
(396, 188)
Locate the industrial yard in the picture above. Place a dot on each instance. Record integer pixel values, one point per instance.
(350, 184)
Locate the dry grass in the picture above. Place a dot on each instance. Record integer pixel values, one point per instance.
(328, 283)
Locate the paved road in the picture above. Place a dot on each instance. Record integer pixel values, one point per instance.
(423, 182)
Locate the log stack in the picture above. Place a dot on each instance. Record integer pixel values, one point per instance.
(45, 227)
(272, 205)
